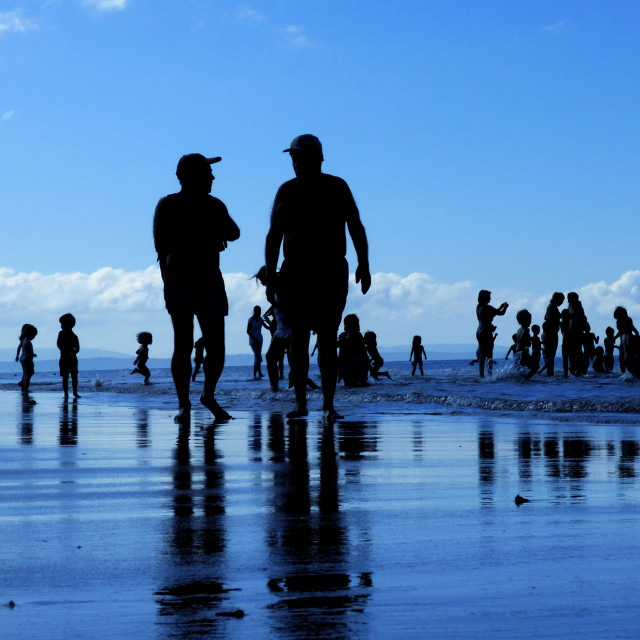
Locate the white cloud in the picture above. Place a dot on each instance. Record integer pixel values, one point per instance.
(296, 36)
(13, 21)
(106, 5)
(112, 305)
(245, 13)
(7, 115)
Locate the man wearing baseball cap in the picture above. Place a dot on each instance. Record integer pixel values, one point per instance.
(310, 216)
(190, 229)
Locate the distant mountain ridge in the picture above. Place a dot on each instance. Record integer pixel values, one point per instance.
(102, 359)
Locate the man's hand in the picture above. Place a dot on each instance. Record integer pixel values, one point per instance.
(364, 277)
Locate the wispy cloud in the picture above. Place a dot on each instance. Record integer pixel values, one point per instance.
(106, 5)
(16, 22)
(296, 36)
(554, 29)
(246, 13)
(111, 305)
(7, 115)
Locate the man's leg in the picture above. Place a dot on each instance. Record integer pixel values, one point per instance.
(328, 363)
(299, 363)
(181, 361)
(212, 326)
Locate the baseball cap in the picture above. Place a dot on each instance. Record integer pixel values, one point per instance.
(305, 142)
(193, 163)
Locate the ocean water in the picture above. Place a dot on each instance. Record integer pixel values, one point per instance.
(448, 386)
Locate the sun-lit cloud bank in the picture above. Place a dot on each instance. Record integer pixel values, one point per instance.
(112, 305)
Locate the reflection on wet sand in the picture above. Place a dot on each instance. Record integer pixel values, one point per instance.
(566, 461)
(192, 602)
(69, 424)
(308, 542)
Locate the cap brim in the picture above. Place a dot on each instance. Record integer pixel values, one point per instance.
(214, 160)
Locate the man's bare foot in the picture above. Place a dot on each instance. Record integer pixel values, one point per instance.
(218, 412)
(331, 414)
(184, 415)
(76, 396)
(299, 411)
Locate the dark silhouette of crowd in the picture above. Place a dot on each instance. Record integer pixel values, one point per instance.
(579, 347)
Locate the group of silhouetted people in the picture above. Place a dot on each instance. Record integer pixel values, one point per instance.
(580, 347)
(67, 343)
(309, 219)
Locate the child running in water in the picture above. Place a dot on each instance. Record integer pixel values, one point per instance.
(144, 340)
(417, 351)
(69, 346)
(25, 356)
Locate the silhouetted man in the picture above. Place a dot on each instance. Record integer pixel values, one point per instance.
(190, 229)
(308, 219)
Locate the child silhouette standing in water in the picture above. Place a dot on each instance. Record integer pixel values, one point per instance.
(25, 355)
(144, 340)
(523, 358)
(417, 351)
(609, 347)
(254, 331)
(484, 333)
(536, 345)
(69, 346)
(375, 359)
(513, 347)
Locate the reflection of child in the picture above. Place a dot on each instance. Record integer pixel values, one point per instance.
(375, 359)
(417, 351)
(198, 357)
(25, 355)
(144, 339)
(69, 346)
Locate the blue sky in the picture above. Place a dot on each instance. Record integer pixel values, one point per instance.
(488, 145)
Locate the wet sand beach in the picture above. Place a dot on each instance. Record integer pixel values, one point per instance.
(115, 523)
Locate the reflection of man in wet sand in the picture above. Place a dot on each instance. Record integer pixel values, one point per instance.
(190, 228)
(308, 219)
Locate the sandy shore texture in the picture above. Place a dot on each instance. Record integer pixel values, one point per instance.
(115, 523)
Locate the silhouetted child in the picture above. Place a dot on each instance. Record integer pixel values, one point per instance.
(566, 340)
(254, 331)
(417, 351)
(69, 346)
(589, 342)
(25, 356)
(630, 345)
(536, 345)
(598, 363)
(353, 361)
(513, 347)
(198, 357)
(609, 348)
(523, 357)
(140, 363)
(375, 359)
(621, 316)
